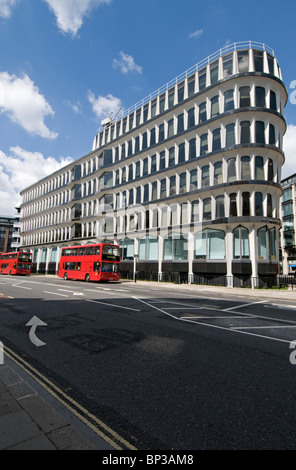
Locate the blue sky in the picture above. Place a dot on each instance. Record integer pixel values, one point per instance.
(65, 64)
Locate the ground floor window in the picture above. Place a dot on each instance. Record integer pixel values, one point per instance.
(175, 247)
(209, 244)
(126, 249)
(148, 248)
(241, 249)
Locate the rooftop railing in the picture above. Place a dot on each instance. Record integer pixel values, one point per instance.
(237, 46)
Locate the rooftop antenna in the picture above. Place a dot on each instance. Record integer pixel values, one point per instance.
(109, 120)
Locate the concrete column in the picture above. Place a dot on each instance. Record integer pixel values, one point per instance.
(254, 256)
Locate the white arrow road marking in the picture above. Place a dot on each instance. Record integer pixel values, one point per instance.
(1, 353)
(33, 323)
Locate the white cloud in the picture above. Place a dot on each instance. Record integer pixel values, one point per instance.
(19, 170)
(21, 101)
(196, 34)
(126, 64)
(6, 7)
(70, 13)
(103, 106)
(289, 147)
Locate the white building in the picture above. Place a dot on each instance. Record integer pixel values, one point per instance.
(288, 216)
(187, 180)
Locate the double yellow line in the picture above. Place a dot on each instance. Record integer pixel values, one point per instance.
(95, 424)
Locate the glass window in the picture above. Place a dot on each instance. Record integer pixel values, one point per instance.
(172, 185)
(218, 177)
(195, 211)
(181, 156)
(172, 156)
(191, 85)
(180, 120)
(163, 188)
(259, 132)
(269, 205)
(202, 79)
(148, 248)
(138, 169)
(216, 140)
(245, 132)
(154, 191)
(126, 249)
(220, 213)
(191, 118)
(287, 209)
(180, 92)
(162, 164)
(258, 205)
(171, 97)
(175, 247)
(214, 106)
(273, 105)
(193, 180)
(153, 108)
(161, 103)
(170, 128)
(205, 176)
(244, 95)
(231, 169)
(202, 112)
(146, 193)
(227, 65)
(230, 135)
(138, 195)
(258, 61)
(130, 147)
(270, 172)
(262, 243)
(209, 244)
(241, 249)
(271, 134)
(228, 101)
(245, 168)
(260, 97)
(182, 183)
(243, 61)
(131, 196)
(144, 141)
(259, 169)
(153, 164)
(161, 133)
(207, 209)
(145, 113)
(246, 204)
(232, 205)
(152, 137)
(164, 216)
(192, 149)
(214, 72)
(287, 194)
(184, 213)
(145, 166)
(203, 144)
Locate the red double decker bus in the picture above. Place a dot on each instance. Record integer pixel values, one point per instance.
(19, 262)
(99, 262)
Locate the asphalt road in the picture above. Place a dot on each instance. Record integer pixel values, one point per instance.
(157, 366)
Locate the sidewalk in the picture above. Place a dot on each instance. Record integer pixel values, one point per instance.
(31, 421)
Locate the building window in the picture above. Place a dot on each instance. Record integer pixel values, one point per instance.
(172, 185)
(269, 205)
(202, 79)
(154, 191)
(241, 249)
(191, 85)
(126, 249)
(161, 103)
(182, 183)
(193, 180)
(207, 209)
(214, 106)
(271, 134)
(232, 205)
(259, 168)
(180, 126)
(216, 140)
(153, 164)
(172, 156)
(245, 168)
(260, 97)
(230, 135)
(246, 204)
(258, 205)
(273, 105)
(243, 61)
(245, 132)
(180, 92)
(270, 171)
(161, 133)
(228, 101)
(218, 177)
(175, 247)
(258, 61)
(152, 137)
(202, 112)
(220, 213)
(162, 164)
(227, 65)
(191, 118)
(171, 97)
(195, 211)
(170, 128)
(192, 148)
(203, 144)
(205, 176)
(184, 213)
(163, 188)
(259, 132)
(231, 169)
(244, 94)
(209, 245)
(181, 153)
(148, 249)
(214, 72)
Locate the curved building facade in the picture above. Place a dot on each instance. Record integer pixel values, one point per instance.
(187, 181)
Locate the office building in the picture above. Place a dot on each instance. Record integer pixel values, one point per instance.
(288, 216)
(187, 181)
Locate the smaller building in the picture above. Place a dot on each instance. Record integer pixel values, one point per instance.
(16, 234)
(6, 230)
(288, 216)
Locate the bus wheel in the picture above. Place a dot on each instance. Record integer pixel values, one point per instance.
(65, 276)
(87, 278)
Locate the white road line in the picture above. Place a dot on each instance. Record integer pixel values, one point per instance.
(112, 305)
(55, 293)
(207, 317)
(21, 287)
(244, 305)
(218, 327)
(261, 327)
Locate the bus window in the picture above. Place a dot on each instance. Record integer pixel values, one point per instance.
(81, 251)
(78, 266)
(74, 251)
(97, 266)
(97, 250)
(90, 250)
(67, 252)
(67, 265)
(72, 266)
